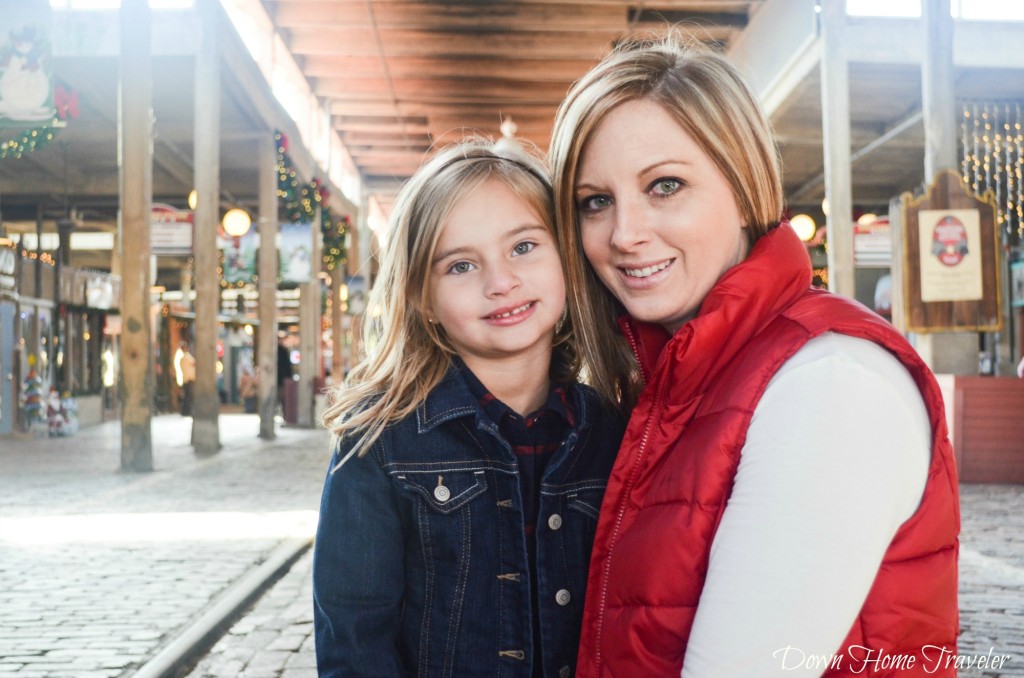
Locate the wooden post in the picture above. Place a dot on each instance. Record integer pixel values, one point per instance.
(835, 119)
(944, 352)
(309, 333)
(267, 359)
(337, 326)
(205, 427)
(135, 132)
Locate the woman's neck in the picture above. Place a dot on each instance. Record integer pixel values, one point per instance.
(521, 382)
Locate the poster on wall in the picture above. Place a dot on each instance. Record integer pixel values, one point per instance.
(949, 248)
(26, 65)
(296, 253)
(239, 258)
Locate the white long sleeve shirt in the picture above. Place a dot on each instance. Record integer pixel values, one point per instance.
(836, 459)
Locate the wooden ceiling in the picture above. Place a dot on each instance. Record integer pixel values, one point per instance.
(405, 76)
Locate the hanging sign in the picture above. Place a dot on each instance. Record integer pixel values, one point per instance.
(296, 253)
(239, 257)
(8, 264)
(170, 230)
(951, 270)
(26, 65)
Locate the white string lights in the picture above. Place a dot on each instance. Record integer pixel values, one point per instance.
(993, 151)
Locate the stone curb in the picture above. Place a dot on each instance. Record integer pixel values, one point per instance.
(201, 635)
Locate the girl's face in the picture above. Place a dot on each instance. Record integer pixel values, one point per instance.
(496, 283)
(658, 221)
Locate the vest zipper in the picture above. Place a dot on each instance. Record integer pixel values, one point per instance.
(620, 514)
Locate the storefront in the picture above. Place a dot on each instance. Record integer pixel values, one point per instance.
(8, 312)
(86, 363)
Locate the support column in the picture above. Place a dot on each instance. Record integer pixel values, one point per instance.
(267, 285)
(309, 334)
(205, 427)
(135, 133)
(944, 352)
(835, 117)
(337, 326)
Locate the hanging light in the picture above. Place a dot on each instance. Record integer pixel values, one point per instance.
(824, 206)
(867, 218)
(508, 128)
(236, 222)
(804, 226)
(193, 199)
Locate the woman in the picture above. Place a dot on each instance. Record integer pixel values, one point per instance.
(785, 498)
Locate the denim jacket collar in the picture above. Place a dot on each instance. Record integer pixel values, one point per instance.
(452, 399)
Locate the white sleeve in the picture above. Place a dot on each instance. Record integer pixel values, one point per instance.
(836, 459)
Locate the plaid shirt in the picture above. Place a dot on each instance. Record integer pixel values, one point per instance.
(534, 439)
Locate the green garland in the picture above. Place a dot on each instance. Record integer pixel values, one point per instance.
(299, 203)
(31, 139)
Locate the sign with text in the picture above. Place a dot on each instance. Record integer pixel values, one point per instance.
(951, 271)
(949, 248)
(170, 230)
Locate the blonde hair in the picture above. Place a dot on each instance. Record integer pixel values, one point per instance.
(407, 355)
(714, 106)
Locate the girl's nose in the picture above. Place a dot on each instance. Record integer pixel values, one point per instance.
(502, 280)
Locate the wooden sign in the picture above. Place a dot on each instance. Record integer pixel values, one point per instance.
(950, 259)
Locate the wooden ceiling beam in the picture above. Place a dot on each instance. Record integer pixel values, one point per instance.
(398, 43)
(410, 88)
(329, 66)
(533, 16)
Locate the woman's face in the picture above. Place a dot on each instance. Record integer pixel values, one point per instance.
(658, 221)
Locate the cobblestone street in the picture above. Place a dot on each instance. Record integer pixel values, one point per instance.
(104, 571)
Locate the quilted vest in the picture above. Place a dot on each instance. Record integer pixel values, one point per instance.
(678, 461)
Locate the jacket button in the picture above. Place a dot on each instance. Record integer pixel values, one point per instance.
(442, 493)
(555, 521)
(562, 597)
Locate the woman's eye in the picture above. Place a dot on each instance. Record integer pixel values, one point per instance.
(460, 267)
(666, 186)
(523, 248)
(594, 203)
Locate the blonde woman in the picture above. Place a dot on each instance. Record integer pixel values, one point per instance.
(785, 499)
(457, 518)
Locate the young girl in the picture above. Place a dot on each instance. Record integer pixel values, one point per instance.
(458, 515)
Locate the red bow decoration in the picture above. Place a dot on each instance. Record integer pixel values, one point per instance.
(66, 102)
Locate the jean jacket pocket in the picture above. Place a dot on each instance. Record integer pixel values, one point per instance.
(444, 491)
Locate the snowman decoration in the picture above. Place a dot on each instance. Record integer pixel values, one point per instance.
(24, 82)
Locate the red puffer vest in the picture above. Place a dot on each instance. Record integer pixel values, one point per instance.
(678, 461)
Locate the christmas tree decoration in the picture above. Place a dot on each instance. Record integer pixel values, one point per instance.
(300, 202)
(32, 397)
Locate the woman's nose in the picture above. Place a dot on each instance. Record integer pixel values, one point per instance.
(629, 230)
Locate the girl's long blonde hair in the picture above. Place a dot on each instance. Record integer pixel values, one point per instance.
(407, 356)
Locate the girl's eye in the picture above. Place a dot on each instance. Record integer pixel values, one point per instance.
(523, 248)
(460, 267)
(594, 203)
(666, 186)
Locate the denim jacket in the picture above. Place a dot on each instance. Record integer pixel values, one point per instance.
(420, 564)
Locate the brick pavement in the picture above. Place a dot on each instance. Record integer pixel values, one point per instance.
(102, 569)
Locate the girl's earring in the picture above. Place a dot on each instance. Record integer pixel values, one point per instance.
(560, 325)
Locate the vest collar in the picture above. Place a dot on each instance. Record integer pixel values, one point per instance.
(776, 272)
